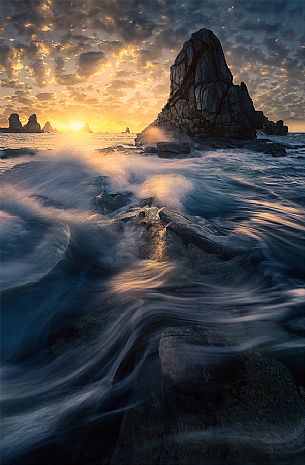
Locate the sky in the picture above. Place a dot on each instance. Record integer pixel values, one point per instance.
(107, 62)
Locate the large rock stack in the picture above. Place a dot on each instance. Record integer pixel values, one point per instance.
(32, 125)
(14, 123)
(203, 100)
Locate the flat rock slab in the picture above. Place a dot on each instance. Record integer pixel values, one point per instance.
(193, 233)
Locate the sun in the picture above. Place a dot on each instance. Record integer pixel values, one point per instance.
(75, 125)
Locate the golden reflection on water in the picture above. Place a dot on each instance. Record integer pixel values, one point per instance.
(277, 213)
(144, 275)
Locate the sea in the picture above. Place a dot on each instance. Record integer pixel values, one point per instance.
(78, 295)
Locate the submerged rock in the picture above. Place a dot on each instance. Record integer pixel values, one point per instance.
(46, 201)
(32, 125)
(211, 404)
(14, 153)
(267, 146)
(111, 148)
(203, 100)
(107, 203)
(193, 233)
(167, 234)
(172, 149)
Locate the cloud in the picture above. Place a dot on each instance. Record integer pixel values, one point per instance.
(90, 63)
(52, 45)
(45, 96)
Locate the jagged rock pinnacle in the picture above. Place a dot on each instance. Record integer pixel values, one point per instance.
(203, 100)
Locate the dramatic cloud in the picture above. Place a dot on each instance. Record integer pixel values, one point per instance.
(90, 63)
(108, 61)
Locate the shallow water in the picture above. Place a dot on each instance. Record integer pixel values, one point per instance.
(78, 297)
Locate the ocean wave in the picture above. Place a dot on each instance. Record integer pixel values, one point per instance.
(88, 296)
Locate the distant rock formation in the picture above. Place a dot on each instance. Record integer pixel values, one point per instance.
(203, 100)
(14, 123)
(16, 126)
(276, 129)
(32, 125)
(127, 130)
(87, 129)
(49, 128)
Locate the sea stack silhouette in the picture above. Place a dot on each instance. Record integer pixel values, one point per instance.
(32, 125)
(49, 128)
(203, 100)
(14, 123)
(15, 126)
(87, 129)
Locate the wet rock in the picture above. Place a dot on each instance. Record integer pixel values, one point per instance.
(244, 394)
(151, 149)
(46, 201)
(108, 202)
(276, 129)
(211, 404)
(277, 151)
(146, 202)
(167, 234)
(195, 234)
(14, 153)
(155, 241)
(267, 146)
(111, 149)
(32, 125)
(264, 145)
(174, 149)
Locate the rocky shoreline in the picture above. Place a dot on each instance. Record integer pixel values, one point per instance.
(200, 383)
(203, 393)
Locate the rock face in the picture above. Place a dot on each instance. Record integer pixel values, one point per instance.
(32, 125)
(15, 123)
(203, 100)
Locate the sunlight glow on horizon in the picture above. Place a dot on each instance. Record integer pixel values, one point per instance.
(75, 125)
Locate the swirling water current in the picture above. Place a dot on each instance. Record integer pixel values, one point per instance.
(78, 296)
